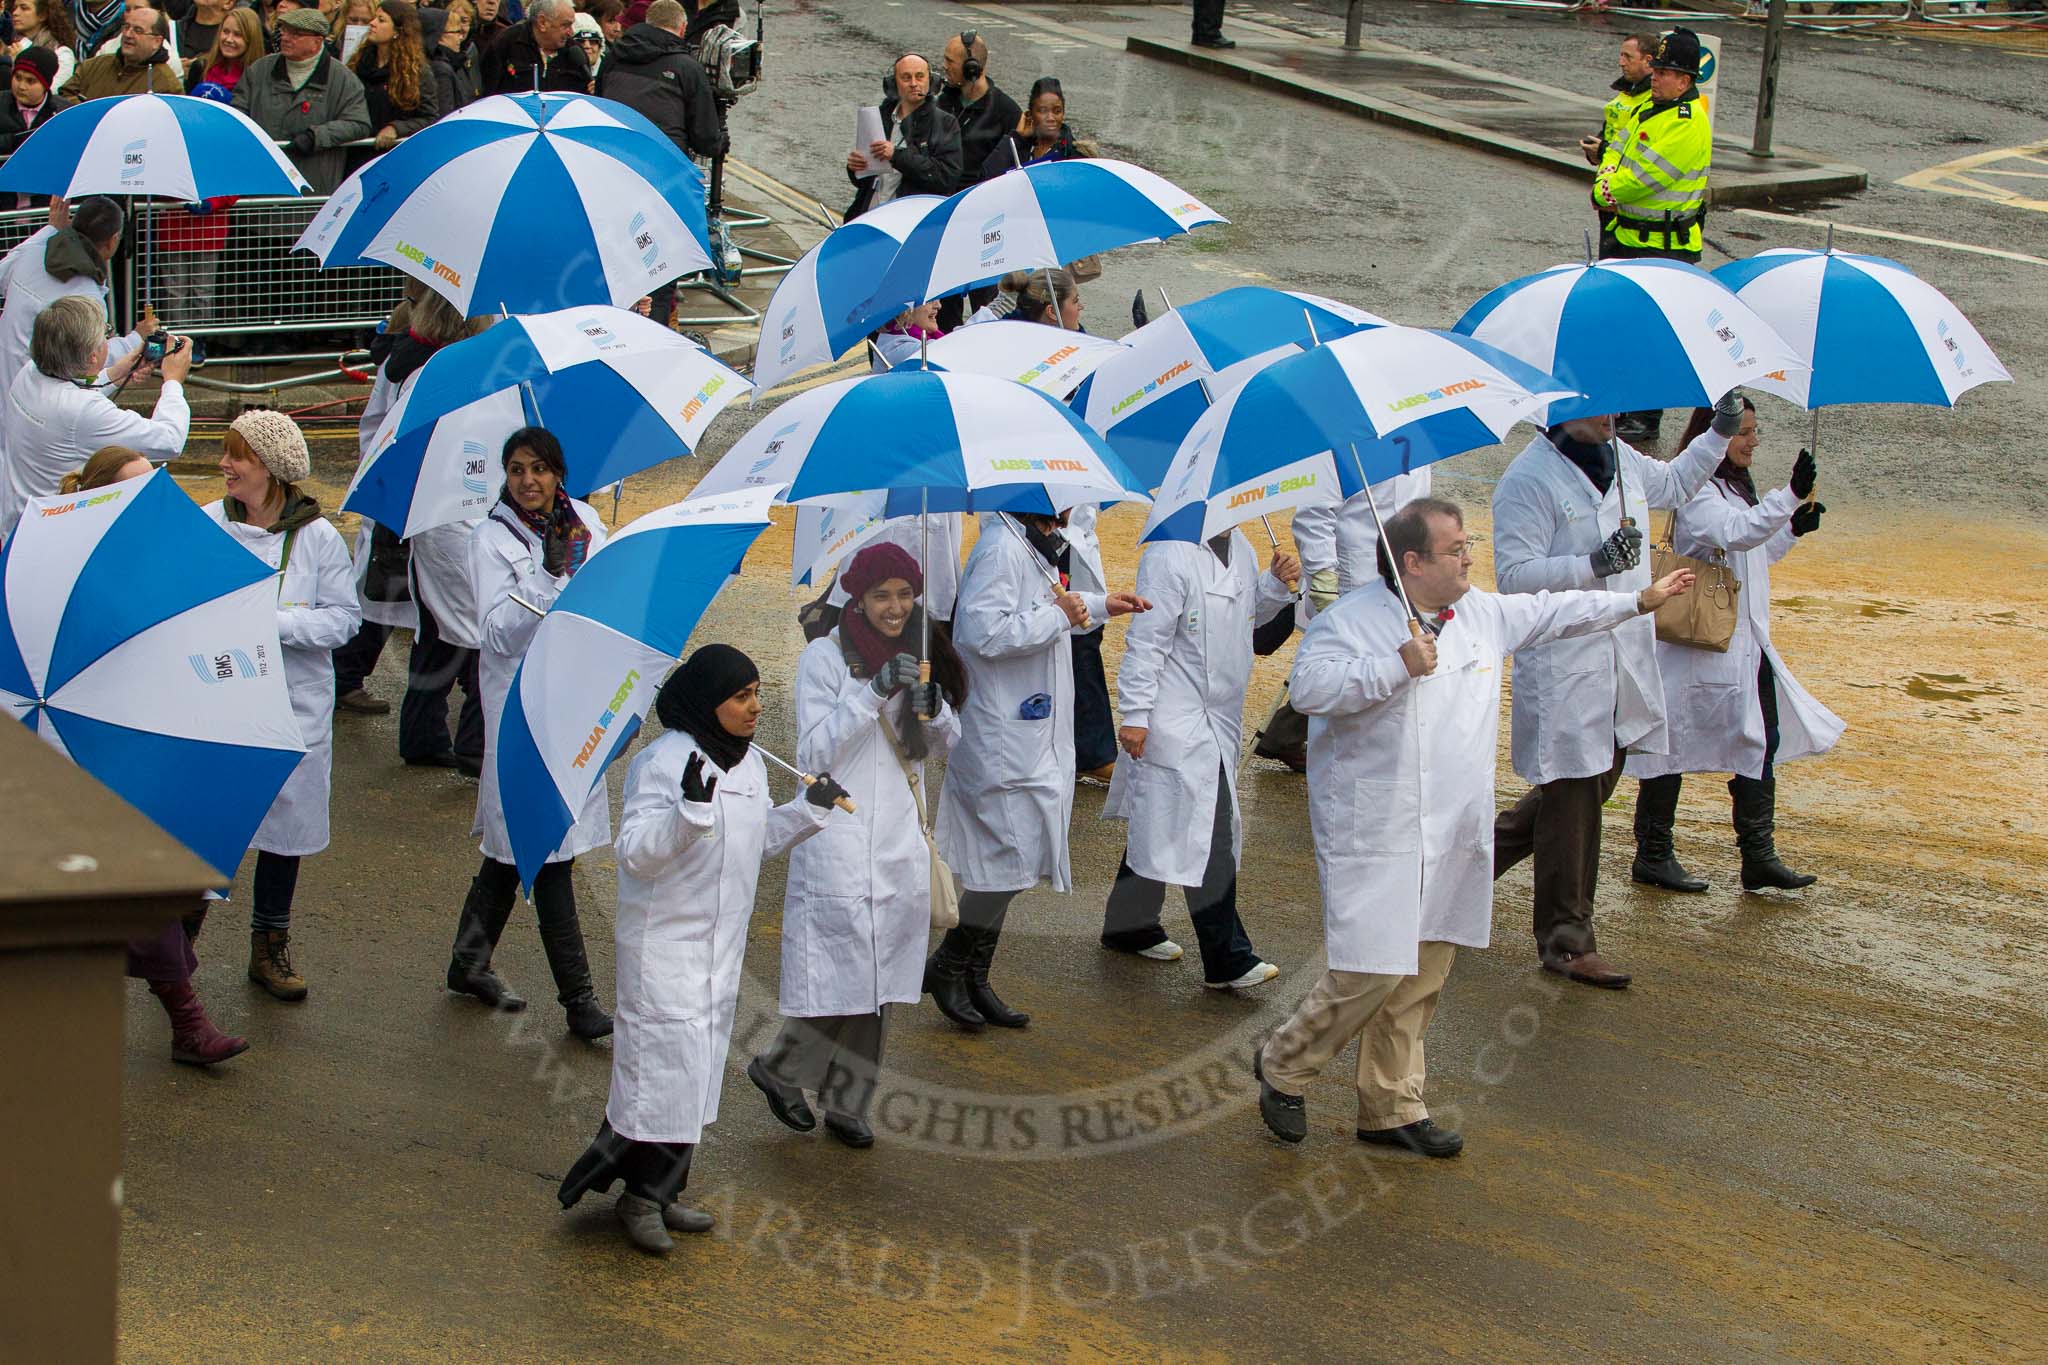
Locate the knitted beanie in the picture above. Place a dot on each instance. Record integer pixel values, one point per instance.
(42, 60)
(277, 441)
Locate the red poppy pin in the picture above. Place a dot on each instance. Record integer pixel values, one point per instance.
(1443, 617)
(305, 106)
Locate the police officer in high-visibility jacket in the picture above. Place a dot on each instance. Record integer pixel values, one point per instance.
(1652, 190)
(1631, 92)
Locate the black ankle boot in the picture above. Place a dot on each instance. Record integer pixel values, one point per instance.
(561, 936)
(1755, 819)
(945, 980)
(1656, 863)
(986, 1001)
(476, 937)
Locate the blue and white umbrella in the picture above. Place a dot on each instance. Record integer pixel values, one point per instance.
(529, 203)
(1145, 400)
(807, 322)
(600, 654)
(1871, 330)
(941, 442)
(165, 146)
(1051, 359)
(1633, 335)
(1040, 216)
(1322, 426)
(140, 640)
(621, 392)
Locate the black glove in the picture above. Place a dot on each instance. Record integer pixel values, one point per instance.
(924, 699)
(1619, 553)
(554, 554)
(1807, 518)
(1804, 473)
(1728, 414)
(824, 791)
(697, 788)
(900, 671)
(303, 142)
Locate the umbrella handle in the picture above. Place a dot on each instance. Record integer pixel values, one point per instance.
(844, 803)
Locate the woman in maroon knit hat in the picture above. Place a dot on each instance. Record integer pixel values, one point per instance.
(857, 912)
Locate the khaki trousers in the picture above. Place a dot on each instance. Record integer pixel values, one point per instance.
(1390, 1012)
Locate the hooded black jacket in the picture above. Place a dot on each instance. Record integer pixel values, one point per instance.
(651, 72)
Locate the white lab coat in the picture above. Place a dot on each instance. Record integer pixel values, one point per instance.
(1577, 700)
(504, 559)
(398, 615)
(687, 872)
(1187, 663)
(1084, 563)
(316, 614)
(1400, 769)
(28, 289)
(1717, 721)
(441, 582)
(1008, 798)
(52, 426)
(856, 915)
(1345, 538)
(941, 576)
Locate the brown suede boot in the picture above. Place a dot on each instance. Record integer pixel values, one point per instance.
(270, 964)
(195, 1040)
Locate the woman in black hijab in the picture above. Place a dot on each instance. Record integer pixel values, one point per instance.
(696, 824)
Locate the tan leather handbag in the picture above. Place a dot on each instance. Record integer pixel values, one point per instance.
(945, 891)
(1703, 618)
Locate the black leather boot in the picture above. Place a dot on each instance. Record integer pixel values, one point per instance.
(945, 979)
(484, 913)
(561, 936)
(1756, 807)
(986, 1001)
(1656, 809)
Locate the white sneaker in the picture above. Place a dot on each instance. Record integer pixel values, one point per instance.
(1167, 951)
(1257, 976)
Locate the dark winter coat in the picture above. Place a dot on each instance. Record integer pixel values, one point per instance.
(651, 71)
(929, 158)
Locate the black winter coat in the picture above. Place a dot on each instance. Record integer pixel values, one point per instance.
(929, 158)
(983, 125)
(651, 71)
(509, 62)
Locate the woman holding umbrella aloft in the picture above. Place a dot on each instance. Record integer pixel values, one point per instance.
(1009, 794)
(520, 557)
(264, 458)
(696, 824)
(1741, 711)
(857, 911)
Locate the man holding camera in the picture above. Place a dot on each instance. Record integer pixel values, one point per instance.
(919, 149)
(1564, 517)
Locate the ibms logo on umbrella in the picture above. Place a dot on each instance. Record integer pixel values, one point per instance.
(131, 160)
(643, 241)
(1727, 335)
(787, 353)
(992, 239)
(229, 665)
(476, 463)
(604, 722)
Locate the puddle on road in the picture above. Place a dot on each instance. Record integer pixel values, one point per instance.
(1950, 687)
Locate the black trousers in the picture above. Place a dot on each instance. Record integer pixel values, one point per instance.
(1131, 919)
(431, 672)
(1094, 720)
(651, 1170)
(357, 659)
(275, 882)
(1559, 824)
(1208, 19)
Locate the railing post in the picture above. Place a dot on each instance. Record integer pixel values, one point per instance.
(1767, 85)
(1354, 23)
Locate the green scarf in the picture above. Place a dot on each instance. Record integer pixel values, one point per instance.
(299, 510)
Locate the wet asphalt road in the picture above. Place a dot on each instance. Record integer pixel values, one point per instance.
(1811, 1131)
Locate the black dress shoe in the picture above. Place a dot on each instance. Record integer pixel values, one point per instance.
(854, 1132)
(785, 1101)
(1422, 1137)
(1219, 42)
(1666, 873)
(1286, 1115)
(469, 765)
(444, 759)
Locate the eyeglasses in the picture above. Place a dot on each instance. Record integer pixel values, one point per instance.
(1461, 549)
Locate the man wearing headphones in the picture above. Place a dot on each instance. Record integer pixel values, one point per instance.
(919, 149)
(984, 114)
